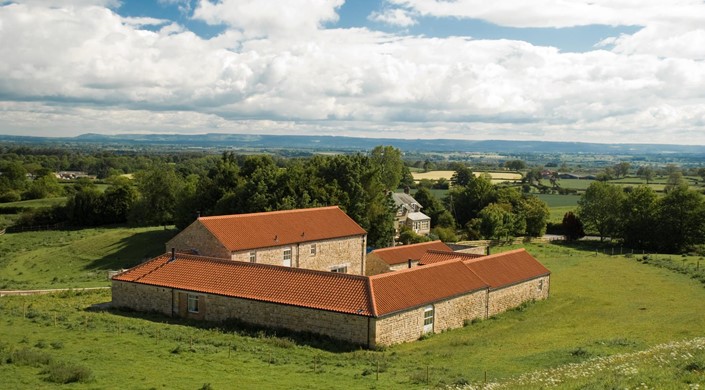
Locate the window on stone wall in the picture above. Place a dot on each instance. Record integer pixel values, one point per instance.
(193, 303)
(253, 257)
(428, 319)
(286, 257)
(540, 288)
(341, 269)
(313, 249)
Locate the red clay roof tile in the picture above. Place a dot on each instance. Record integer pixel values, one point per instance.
(507, 268)
(291, 286)
(374, 296)
(261, 230)
(434, 256)
(413, 287)
(401, 254)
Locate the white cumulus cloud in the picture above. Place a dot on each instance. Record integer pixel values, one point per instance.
(87, 69)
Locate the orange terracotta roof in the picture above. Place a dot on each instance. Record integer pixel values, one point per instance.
(435, 256)
(291, 286)
(418, 286)
(401, 254)
(361, 295)
(507, 268)
(261, 230)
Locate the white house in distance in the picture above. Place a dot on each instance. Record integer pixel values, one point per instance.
(409, 214)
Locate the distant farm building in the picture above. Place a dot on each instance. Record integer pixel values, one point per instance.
(409, 214)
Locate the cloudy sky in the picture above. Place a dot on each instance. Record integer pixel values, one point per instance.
(566, 70)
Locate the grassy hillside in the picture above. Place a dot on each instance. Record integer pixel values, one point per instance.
(74, 258)
(600, 308)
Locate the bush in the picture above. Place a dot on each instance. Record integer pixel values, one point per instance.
(10, 196)
(61, 372)
(29, 357)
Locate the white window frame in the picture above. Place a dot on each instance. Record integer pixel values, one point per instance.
(286, 257)
(253, 257)
(192, 303)
(314, 249)
(428, 318)
(340, 269)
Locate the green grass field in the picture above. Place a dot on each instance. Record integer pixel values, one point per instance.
(35, 203)
(74, 258)
(601, 308)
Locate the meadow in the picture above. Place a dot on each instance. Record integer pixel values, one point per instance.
(602, 309)
(74, 258)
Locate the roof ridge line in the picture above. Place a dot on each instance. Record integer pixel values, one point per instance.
(496, 255)
(154, 269)
(268, 212)
(371, 291)
(414, 269)
(407, 246)
(270, 266)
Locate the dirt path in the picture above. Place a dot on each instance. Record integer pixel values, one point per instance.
(48, 291)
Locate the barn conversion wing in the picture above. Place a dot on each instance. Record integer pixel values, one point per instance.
(321, 238)
(400, 257)
(378, 310)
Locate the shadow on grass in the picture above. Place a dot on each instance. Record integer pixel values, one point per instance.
(134, 250)
(276, 336)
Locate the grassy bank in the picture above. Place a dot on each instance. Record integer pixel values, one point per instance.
(600, 306)
(74, 258)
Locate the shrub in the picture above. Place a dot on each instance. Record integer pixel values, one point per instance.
(57, 344)
(29, 357)
(10, 196)
(61, 372)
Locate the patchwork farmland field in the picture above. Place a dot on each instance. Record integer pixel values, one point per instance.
(592, 316)
(497, 177)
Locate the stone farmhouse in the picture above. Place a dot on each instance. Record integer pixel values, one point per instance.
(399, 257)
(445, 292)
(409, 214)
(323, 238)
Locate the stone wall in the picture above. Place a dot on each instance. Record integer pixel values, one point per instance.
(347, 327)
(453, 313)
(510, 297)
(374, 265)
(404, 265)
(448, 314)
(142, 297)
(346, 251)
(399, 327)
(198, 237)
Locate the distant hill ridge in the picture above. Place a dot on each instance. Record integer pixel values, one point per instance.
(325, 142)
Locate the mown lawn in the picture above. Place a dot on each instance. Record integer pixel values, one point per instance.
(600, 306)
(74, 258)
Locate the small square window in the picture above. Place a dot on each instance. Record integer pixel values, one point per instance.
(343, 269)
(253, 257)
(193, 303)
(313, 249)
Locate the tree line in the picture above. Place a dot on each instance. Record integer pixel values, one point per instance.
(640, 218)
(177, 192)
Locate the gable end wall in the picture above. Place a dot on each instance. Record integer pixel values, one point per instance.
(196, 236)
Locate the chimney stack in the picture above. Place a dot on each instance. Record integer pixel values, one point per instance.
(173, 254)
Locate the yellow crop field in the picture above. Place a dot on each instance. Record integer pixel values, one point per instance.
(496, 176)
